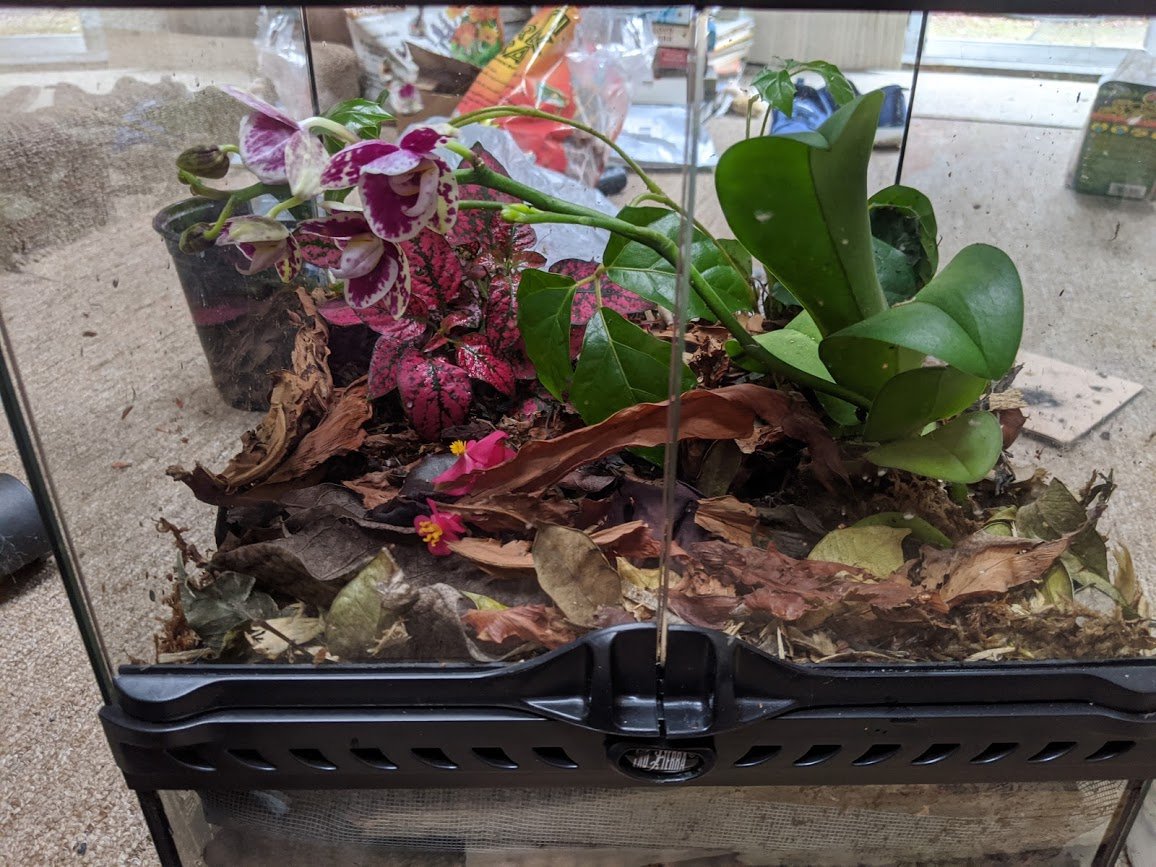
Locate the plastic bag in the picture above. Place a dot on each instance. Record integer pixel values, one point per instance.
(575, 63)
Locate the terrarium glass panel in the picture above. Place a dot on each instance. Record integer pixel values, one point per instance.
(455, 334)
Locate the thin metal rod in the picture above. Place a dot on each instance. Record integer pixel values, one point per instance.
(911, 98)
(678, 342)
(309, 71)
(1120, 825)
(157, 821)
(14, 399)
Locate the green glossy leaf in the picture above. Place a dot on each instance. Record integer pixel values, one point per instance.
(963, 450)
(362, 116)
(897, 276)
(544, 304)
(620, 365)
(904, 218)
(907, 402)
(799, 204)
(919, 528)
(776, 88)
(842, 91)
(644, 272)
(969, 316)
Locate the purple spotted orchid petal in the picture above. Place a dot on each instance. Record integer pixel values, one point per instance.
(359, 256)
(447, 203)
(425, 138)
(262, 146)
(386, 286)
(400, 162)
(398, 207)
(263, 243)
(345, 166)
(260, 106)
(305, 160)
(289, 265)
(345, 224)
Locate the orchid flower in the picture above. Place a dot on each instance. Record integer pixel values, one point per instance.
(265, 243)
(404, 187)
(437, 530)
(375, 271)
(278, 149)
(481, 454)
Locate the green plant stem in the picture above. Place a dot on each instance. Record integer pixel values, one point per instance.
(494, 112)
(331, 127)
(197, 188)
(229, 149)
(214, 230)
(291, 202)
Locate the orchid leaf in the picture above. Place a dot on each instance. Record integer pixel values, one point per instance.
(545, 303)
(969, 316)
(799, 204)
(434, 393)
(903, 218)
(646, 273)
(963, 450)
(620, 365)
(911, 400)
(897, 276)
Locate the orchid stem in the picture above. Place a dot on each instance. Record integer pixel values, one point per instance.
(332, 127)
(291, 202)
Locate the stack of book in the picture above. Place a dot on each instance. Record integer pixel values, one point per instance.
(729, 43)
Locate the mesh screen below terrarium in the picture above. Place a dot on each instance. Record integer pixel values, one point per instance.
(1032, 823)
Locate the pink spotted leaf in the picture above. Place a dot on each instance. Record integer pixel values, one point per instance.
(387, 353)
(585, 303)
(436, 273)
(478, 359)
(434, 393)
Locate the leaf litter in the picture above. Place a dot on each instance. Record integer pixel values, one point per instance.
(779, 539)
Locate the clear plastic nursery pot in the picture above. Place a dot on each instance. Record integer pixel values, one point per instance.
(786, 504)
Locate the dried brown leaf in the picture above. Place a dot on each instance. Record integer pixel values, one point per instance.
(572, 570)
(540, 624)
(373, 488)
(728, 518)
(724, 413)
(339, 432)
(984, 565)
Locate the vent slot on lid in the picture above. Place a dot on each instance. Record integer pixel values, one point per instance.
(935, 754)
(1053, 751)
(994, 753)
(876, 755)
(253, 759)
(313, 758)
(495, 757)
(191, 757)
(435, 758)
(374, 757)
(555, 756)
(1110, 750)
(816, 755)
(756, 756)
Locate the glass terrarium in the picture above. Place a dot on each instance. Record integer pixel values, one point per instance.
(509, 434)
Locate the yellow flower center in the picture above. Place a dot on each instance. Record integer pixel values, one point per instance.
(458, 448)
(429, 532)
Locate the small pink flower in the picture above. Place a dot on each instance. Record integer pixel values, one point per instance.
(376, 272)
(474, 455)
(264, 243)
(404, 187)
(438, 529)
(277, 149)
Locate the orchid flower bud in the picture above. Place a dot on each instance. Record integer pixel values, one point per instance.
(204, 161)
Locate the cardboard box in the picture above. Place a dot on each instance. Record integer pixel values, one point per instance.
(1118, 154)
